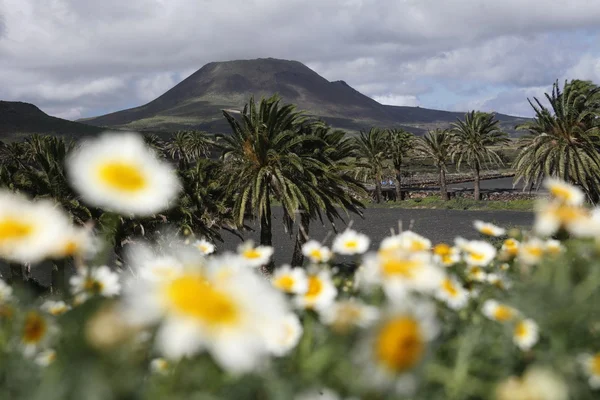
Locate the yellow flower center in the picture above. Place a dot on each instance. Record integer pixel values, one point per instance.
(252, 254)
(122, 176)
(416, 246)
(521, 329)
(595, 364)
(346, 315)
(503, 313)
(316, 254)
(449, 287)
(285, 283)
(488, 230)
(399, 266)
(34, 329)
(70, 248)
(14, 229)
(567, 214)
(535, 251)
(194, 297)
(351, 244)
(447, 259)
(93, 285)
(477, 256)
(399, 344)
(315, 286)
(442, 249)
(561, 193)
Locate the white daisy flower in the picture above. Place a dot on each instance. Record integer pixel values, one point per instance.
(321, 292)
(207, 309)
(204, 246)
(76, 242)
(591, 367)
(537, 383)
(485, 228)
(255, 256)
(477, 252)
(510, 247)
(287, 335)
(397, 345)
(496, 311)
(554, 247)
(477, 274)
(407, 240)
(28, 230)
(96, 281)
(445, 255)
(119, 172)
(532, 251)
(36, 332)
(160, 366)
(401, 271)
(526, 334)
(55, 308)
(316, 252)
(350, 242)
(551, 217)
(290, 280)
(150, 265)
(6, 292)
(499, 281)
(564, 192)
(45, 357)
(346, 314)
(452, 293)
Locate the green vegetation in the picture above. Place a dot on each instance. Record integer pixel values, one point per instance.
(472, 141)
(436, 202)
(436, 145)
(564, 139)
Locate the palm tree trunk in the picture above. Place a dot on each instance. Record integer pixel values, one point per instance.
(477, 191)
(301, 238)
(378, 187)
(398, 183)
(266, 234)
(443, 188)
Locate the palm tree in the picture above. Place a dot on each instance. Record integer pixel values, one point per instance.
(261, 162)
(373, 148)
(187, 146)
(329, 186)
(436, 146)
(401, 143)
(471, 142)
(563, 139)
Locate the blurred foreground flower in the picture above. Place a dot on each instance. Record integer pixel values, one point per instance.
(485, 228)
(537, 383)
(350, 242)
(591, 367)
(29, 229)
(220, 309)
(118, 172)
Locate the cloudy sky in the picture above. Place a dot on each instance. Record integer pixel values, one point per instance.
(79, 58)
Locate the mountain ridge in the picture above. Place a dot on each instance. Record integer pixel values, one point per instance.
(19, 119)
(197, 101)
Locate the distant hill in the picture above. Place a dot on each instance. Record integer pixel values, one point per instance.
(19, 119)
(196, 102)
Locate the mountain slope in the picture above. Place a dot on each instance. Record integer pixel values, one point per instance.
(196, 102)
(19, 119)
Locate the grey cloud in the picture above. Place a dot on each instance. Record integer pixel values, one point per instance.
(87, 55)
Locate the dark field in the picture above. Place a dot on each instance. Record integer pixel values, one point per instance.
(437, 225)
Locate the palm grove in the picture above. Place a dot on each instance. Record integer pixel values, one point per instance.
(276, 154)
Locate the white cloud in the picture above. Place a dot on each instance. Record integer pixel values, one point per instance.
(151, 87)
(397, 100)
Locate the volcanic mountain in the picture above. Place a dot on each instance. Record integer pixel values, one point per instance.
(20, 119)
(197, 102)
